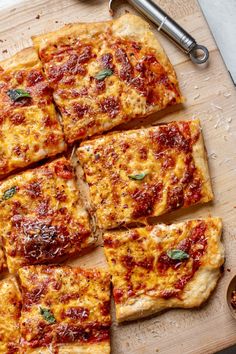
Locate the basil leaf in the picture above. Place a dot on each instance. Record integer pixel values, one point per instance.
(139, 176)
(103, 74)
(47, 315)
(177, 254)
(9, 193)
(17, 94)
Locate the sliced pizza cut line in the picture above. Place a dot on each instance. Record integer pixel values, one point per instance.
(65, 308)
(42, 217)
(108, 73)
(164, 266)
(136, 174)
(29, 128)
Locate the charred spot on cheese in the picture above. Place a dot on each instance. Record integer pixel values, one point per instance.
(194, 191)
(43, 241)
(33, 77)
(145, 198)
(17, 118)
(111, 106)
(92, 333)
(34, 189)
(80, 109)
(73, 66)
(63, 170)
(175, 197)
(170, 137)
(106, 61)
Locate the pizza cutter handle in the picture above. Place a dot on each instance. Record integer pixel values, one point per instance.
(198, 53)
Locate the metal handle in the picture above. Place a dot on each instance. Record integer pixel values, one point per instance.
(174, 31)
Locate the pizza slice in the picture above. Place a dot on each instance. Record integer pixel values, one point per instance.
(42, 218)
(141, 173)
(104, 74)
(10, 305)
(29, 129)
(163, 266)
(65, 308)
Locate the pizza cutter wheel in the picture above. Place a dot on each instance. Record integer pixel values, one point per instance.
(198, 53)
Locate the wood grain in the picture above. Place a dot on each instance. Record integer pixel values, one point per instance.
(211, 97)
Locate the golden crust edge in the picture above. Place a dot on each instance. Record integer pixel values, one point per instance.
(98, 348)
(201, 162)
(27, 57)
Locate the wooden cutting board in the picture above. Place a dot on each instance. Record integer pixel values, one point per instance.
(211, 97)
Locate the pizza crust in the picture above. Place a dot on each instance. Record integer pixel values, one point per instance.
(200, 160)
(95, 348)
(26, 58)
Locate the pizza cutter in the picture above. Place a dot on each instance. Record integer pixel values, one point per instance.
(198, 53)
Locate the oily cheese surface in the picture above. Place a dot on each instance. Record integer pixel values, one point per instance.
(10, 305)
(42, 218)
(29, 129)
(136, 174)
(3, 265)
(139, 79)
(146, 280)
(79, 301)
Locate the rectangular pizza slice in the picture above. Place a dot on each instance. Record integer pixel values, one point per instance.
(163, 266)
(64, 308)
(104, 74)
(140, 173)
(10, 306)
(29, 128)
(42, 217)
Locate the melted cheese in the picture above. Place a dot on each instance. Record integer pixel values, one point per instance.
(10, 304)
(43, 219)
(142, 82)
(29, 129)
(79, 301)
(169, 160)
(3, 265)
(145, 280)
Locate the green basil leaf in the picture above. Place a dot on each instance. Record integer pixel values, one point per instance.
(103, 74)
(9, 193)
(177, 254)
(17, 94)
(47, 315)
(139, 176)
